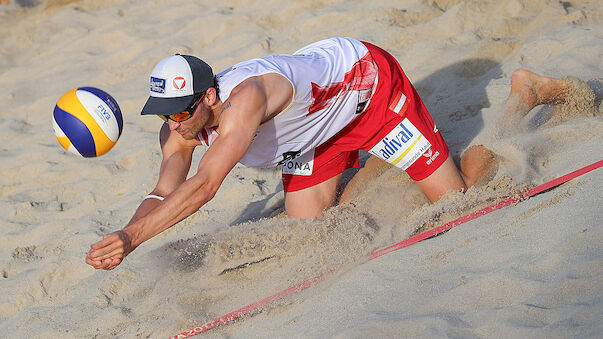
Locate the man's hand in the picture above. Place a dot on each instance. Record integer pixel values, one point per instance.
(109, 252)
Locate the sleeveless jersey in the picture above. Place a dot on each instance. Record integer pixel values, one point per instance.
(333, 81)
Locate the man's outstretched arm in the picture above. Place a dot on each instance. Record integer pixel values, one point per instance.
(177, 157)
(246, 110)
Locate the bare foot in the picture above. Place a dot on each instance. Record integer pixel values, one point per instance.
(534, 89)
(478, 165)
(529, 90)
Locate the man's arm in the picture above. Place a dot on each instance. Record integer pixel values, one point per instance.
(177, 157)
(175, 165)
(246, 109)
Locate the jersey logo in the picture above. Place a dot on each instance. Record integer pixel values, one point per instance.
(360, 77)
(288, 156)
(431, 156)
(300, 165)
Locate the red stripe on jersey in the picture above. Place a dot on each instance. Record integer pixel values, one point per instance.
(361, 76)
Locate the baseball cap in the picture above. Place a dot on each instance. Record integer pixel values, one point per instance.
(174, 82)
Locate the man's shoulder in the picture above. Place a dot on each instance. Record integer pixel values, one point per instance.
(247, 88)
(248, 73)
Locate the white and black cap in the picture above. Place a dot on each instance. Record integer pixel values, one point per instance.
(174, 82)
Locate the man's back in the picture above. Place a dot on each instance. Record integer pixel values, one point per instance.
(333, 81)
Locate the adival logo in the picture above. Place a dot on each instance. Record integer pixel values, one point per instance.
(157, 85)
(431, 156)
(402, 146)
(179, 83)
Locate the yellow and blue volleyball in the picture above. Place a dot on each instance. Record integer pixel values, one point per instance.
(87, 121)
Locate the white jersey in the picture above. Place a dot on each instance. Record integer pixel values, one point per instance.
(333, 81)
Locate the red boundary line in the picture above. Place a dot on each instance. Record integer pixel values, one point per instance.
(434, 231)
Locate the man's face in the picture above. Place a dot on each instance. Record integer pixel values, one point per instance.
(189, 129)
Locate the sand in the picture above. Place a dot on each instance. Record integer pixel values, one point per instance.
(530, 270)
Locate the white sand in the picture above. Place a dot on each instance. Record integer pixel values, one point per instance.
(530, 270)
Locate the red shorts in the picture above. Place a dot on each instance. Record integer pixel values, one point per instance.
(395, 127)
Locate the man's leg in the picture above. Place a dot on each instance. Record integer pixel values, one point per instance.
(446, 177)
(311, 202)
(477, 163)
(373, 167)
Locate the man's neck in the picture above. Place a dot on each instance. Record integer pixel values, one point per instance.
(217, 111)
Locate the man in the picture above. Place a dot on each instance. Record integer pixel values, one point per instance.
(310, 113)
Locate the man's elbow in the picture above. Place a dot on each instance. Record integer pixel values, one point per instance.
(205, 193)
(209, 191)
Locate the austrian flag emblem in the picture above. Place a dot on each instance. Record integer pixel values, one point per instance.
(399, 104)
(179, 82)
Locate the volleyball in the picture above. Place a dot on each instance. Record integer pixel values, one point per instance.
(87, 121)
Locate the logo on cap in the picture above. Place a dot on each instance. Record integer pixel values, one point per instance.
(179, 82)
(157, 85)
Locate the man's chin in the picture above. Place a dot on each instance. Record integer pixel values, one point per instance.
(187, 136)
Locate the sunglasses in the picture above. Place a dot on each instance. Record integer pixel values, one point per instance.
(186, 114)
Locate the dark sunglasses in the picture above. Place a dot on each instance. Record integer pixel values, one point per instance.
(186, 114)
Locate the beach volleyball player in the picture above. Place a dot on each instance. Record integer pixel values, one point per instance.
(310, 113)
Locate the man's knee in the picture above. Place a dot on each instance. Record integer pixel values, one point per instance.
(478, 164)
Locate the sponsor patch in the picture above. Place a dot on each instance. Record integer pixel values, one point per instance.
(289, 156)
(402, 146)
(157, 85)
(301, 165)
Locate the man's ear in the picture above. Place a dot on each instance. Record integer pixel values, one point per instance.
(211, 96)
